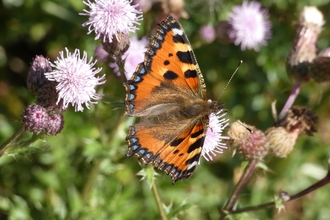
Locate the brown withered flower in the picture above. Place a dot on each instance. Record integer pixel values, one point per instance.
(319, 69)
(249, 141)
(283, 135)
(304, 50)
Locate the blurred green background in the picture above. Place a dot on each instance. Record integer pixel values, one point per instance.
(83, 173)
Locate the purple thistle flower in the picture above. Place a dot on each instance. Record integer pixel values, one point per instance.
(34, 118)
(55, 124)
(213, 137)
(207, 33)
(107, 18)
(133, 56)
(75, 79)
(249, 25)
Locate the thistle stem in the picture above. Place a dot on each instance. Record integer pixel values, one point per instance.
(9, 143)
(155, 191)
(293, 95)
(228, 208)
(317, 185)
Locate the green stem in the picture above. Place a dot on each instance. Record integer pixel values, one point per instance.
(10, 142)
(228, 208)
(90, 181)
(159, 202)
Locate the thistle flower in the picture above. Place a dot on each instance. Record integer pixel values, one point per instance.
(55, 124)
(249, 25)
(283, 136)
(36, 78)
(207, 33)
(212, 143)
(303, 51)
(34, 118)
(108, 18)
(76, 81)
(132, 57)
(250, 142)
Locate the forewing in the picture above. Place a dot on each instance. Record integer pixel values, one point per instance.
(169, 67)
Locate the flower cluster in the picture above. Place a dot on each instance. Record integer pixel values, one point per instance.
(70, 80)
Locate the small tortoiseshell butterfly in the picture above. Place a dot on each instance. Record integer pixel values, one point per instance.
(168, 92)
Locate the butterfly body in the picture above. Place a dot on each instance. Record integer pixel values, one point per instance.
(167, 91)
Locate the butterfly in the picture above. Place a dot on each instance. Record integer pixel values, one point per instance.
(168, 93)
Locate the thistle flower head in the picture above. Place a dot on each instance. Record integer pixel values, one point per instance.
(249, 25)
(207, 33)
(283, 136)
(36, 78)
(34, 118)
(250, 142)
(108, 18)
(55, 124)
(75, 78)
(212, 143)
(303, 51)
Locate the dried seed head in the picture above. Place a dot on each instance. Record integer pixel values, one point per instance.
(303, 51)
(283, 136)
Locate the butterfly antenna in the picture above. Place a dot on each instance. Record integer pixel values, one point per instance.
(232, 75)
(245, 126)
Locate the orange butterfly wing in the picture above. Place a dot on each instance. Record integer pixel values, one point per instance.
(168, 92)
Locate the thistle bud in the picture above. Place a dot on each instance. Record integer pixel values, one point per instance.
(55, 124)
(250, 141)
(36, 77)
(34, 118)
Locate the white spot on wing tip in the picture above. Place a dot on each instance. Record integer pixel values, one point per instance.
(192, 165)
(177, 31)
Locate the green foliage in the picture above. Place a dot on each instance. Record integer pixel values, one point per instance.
(82, 173)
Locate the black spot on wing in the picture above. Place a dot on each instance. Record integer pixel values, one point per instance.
(178, 39)
(170, 55)
(196, 134)
(186, 57)
(170, 75)
(197, 144)
(175, 25)
(175, 152)
(176, 142)
(166, 62)
(190, 74)
(193, 159)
